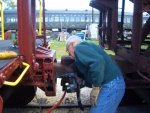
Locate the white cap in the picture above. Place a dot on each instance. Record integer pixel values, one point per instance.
(73, 38)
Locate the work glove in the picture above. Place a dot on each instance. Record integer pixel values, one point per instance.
(94, 95)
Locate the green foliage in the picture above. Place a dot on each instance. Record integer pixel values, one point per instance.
(10, 4)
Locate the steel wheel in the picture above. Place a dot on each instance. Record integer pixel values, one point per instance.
(20, 96)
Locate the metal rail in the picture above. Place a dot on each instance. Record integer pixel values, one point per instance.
(48, 106)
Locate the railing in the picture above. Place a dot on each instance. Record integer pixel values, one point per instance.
(40, 17)
(20, 77)
(2, 19)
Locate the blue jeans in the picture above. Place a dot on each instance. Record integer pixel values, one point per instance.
(110, 96)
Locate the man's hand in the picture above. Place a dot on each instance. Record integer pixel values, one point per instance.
(94, 95)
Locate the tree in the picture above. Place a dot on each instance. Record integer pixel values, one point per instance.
(10, 4)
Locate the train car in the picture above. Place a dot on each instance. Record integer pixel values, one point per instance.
(60, 19)
(128, 19)
(25, 64)
(67, 19)
(28, 63)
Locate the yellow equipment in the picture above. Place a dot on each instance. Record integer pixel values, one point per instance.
(7, 54)
(40, 18)
(2, 19)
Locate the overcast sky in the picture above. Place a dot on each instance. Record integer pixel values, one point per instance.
(68, 4)
(78, 5)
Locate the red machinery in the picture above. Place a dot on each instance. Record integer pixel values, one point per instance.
(34, 66)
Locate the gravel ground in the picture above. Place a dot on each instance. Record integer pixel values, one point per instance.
(126, 109)
(70, 99)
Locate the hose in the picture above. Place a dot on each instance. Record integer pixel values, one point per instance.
(52, 108)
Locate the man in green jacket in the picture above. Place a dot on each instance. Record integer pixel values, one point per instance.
(99, 72)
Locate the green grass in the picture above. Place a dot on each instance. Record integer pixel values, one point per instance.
(60, 47)
(142, 47)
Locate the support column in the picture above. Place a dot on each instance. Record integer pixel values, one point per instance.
(100, 28)
(109, 28)
(44, 26)
(137, 26)
(114, 25)
(26, 35)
